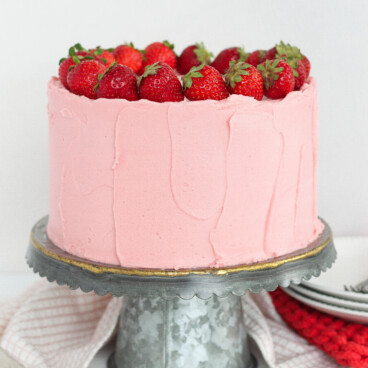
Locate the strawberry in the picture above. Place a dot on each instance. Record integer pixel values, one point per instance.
(118, 81)
(159, 83)
(307, 66)
(222, 60)
(278, 78)
(193, 56)
(159, 51)
(64, 66)
(299, 73)
(83, 77)
(244, 79)
(128, 55)
(76, 53)
(105, 55)
(270, 54)
(204, 82)
(256, 57)
(293, 56)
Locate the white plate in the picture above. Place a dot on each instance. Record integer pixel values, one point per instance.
(345, 303)
(345, 313)
(350, 268)
(348, 295)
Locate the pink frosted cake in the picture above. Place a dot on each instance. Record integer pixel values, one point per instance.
(190, 184)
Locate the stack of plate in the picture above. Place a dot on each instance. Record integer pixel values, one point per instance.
(328, 293)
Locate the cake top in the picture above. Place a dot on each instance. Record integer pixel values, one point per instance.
(154, 73)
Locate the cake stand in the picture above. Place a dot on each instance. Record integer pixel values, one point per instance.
(179, 318)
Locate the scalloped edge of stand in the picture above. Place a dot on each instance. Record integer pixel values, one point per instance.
(184, 287)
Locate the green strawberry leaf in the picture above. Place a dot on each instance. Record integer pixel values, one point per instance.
(196, 68)
(72, 51)
(61, 60)
(197, 75)
(243, 56)
(111, 66)
(275, 63)
(202, 54)
(187, 82)
(193, 73)
(288, 52)
(236, 72)
(78, 46)
(149, 70)
(168, 44)
(243, 65)
(76, 59)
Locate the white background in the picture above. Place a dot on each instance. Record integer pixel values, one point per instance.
(34, 35)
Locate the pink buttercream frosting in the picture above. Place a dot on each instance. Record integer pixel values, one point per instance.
(182, 185)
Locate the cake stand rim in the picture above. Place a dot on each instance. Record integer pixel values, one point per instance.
(186, 284)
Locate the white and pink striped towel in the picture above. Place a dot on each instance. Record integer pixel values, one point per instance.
(51, 326)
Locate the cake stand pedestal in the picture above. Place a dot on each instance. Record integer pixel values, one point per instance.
(179, 318)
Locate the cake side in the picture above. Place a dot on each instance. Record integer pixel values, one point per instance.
(182, 185)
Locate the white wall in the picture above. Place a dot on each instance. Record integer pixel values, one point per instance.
(34, 35)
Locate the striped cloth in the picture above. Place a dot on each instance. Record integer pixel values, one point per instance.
(51, 326)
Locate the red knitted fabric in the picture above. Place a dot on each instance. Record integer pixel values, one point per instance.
(344, 341)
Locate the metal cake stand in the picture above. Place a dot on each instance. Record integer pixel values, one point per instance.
(179, 318)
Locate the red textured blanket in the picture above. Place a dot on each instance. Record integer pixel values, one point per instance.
(344, 341)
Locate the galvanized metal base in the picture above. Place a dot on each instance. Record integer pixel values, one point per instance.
(162, 325)
(177, 333)
(111, 362)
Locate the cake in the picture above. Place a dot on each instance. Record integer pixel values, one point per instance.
(182, 185)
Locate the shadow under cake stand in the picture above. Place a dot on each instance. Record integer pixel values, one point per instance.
(179, 318)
